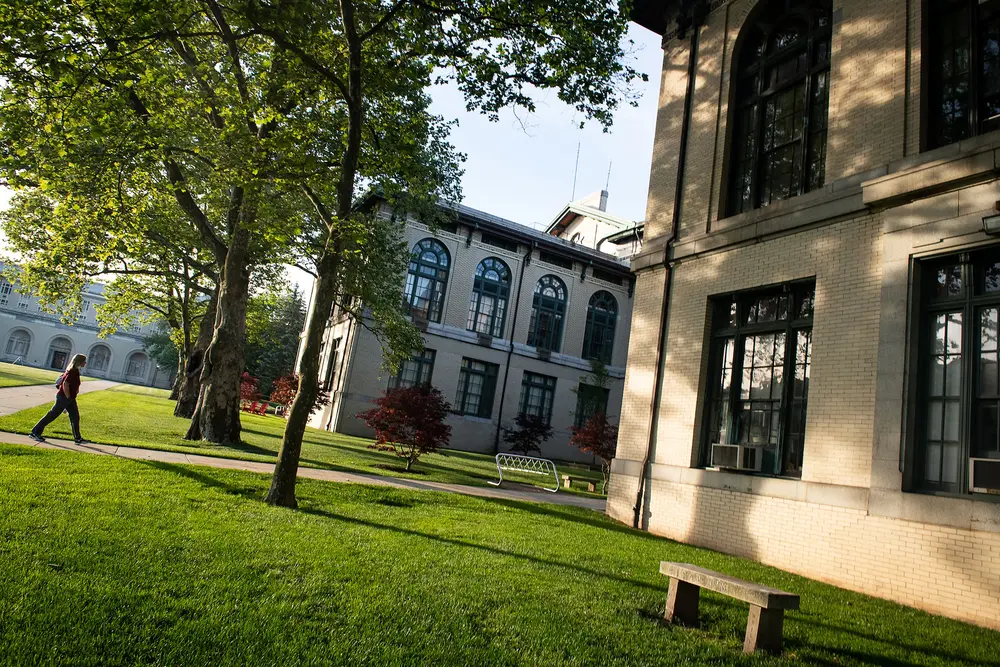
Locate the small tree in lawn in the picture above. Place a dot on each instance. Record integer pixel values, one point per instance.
(409, 421)
(531, 431)
(284, 389)
(249, 387)
(597, 436)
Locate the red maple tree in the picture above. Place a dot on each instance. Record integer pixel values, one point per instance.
(249, 386)
(597, 436)
(409, 421)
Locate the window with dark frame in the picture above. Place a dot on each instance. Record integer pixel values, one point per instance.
(488, 305)
(590, 399)
(780, 100)
(500, 242)
(331, 365)
(555, 260)
(548, 309)
(958, 381)
(537, 395)
(414, 371)
(607, 276)
(477, 382)
(599, 334)
(758, 387)
(963, 39)
(427, 279)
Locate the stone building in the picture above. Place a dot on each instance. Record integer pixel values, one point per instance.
(33, 337)
(812, 376)
(510, 316)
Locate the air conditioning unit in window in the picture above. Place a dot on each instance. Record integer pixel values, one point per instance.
(984, 476)
(737, 457)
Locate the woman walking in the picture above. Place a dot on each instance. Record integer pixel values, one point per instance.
(68, 386)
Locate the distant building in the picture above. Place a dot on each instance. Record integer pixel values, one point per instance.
(511, 318)
(33, 337)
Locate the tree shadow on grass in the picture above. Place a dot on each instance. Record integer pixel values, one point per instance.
(591, 518)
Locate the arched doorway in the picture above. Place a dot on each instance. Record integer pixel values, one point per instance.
(99, 360)
(59, 351)
(17, 345)
(137, 367)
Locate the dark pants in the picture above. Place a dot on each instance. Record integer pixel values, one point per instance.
(62, 403)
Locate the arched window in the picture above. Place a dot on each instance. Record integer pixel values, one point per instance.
(426, 280)
(137, 367)
(488, 306)
(99, 359)
(779, 103)
(963, 37)
(17, 344)
(548, 308)
(59, 351)
(599, 337)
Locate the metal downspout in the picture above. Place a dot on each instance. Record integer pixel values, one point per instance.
(654, 411)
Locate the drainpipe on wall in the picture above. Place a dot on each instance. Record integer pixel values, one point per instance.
(510, 352)
(693, 21)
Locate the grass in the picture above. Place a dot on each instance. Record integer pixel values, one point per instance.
(15, 375)
(129, 416)
(119, 562)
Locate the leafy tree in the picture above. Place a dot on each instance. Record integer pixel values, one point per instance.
(599, 437)
(409, 421)
(162, 349)
(284, 390)
(249, 387)
(531, 431)
(375, 58)
(274, 324)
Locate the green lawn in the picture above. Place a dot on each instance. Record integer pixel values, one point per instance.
(126, 415)
(119, 562)
(12, 375)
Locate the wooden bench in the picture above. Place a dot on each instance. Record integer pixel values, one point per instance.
(568, 480)
(767, 605)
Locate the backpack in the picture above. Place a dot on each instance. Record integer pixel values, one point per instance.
(59, 382)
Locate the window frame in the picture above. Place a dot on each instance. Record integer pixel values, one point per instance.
(438, 282)
(583, 413)
(930, 82)
(496, 321)
(608, 327)
(552, 307)
(547, 385)
(486, 398)
(424, 358)
(740, 70)
(801, 294)
(925, 308)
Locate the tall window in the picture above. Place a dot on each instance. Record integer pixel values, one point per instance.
(415, 370)
(599, 336)
(537, 395)
(590, 400)
(779, 107)
(759, 382)
(137, 367)
(99, 359)
(477, 383)
(548, 308)
(426, 280)
(963, 37)
(331, 365)
(488, 307)
(18, 343)
(5, 289)
(958, 380)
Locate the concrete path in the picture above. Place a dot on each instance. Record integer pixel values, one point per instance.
(15, 399)
(524, 493)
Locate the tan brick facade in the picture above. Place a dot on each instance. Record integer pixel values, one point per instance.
(853, 518)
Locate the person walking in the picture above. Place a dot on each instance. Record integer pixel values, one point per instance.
(68, 386)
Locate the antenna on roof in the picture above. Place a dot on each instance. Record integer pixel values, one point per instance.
(606, 185)
(575, 170)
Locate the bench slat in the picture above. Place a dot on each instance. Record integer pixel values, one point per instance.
(740, 589)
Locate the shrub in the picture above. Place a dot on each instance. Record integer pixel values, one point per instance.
(286, 387)
(409, 421)
(249, 387)
(597, 436)
(531, 431)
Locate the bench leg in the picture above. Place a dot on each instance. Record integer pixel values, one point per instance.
(566, 482)
(682, 602)
(764, 630)
(592, 487)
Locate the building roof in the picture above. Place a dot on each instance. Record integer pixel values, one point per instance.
(626, 235)
(573, 210)
(652, 14)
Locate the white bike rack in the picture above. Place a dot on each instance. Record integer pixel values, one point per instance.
(528, 464)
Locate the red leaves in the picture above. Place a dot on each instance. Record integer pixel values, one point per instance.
(410, 421)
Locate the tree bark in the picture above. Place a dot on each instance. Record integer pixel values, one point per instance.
(175, 388)
(187, 397)
(216, 416)
(282, 491)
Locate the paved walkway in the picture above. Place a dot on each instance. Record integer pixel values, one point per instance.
(13, 399)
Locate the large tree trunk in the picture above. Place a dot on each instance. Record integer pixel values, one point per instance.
(190, 388)
(282, 491)
(175, 388)
(216, 416)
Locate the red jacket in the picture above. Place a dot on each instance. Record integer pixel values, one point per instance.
(71, 383)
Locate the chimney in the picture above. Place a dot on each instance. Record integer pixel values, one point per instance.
(598, 200)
